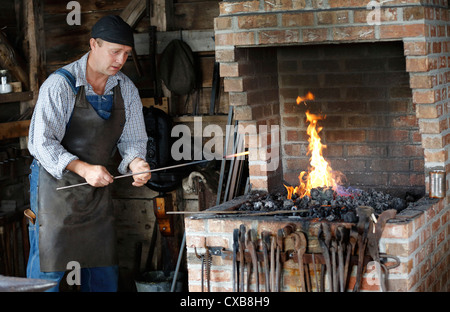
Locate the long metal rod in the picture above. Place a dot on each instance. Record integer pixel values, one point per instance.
(132, 174)
(177, 268)
(222, 166)
(239, 212)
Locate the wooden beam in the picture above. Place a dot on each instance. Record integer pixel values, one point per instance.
(198, 40)
(35, 38)
(162, 15)
(133, 12)
(15, 129)
(16, 97)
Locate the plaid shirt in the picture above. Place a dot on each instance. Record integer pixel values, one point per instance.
(53, 110)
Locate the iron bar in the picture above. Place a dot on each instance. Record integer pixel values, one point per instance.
(132, 174)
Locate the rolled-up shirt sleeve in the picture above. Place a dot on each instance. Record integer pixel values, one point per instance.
(48, 124)
(133, 141)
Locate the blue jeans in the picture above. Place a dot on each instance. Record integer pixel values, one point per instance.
(101, 279)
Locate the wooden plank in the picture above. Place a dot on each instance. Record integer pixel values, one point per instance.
(133, 13)
(15, 129)
(162, 14)
(66, 43)
(86, 6)
(186, 15)
(198, 40)
(16, 97)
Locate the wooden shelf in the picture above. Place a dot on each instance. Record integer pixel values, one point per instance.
(15, 129)
(16, 97)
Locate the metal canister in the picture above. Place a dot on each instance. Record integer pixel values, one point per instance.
(437, 184)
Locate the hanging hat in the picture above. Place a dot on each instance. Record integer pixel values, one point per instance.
(113, 28)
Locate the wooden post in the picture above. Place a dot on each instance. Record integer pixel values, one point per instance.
(34, 36)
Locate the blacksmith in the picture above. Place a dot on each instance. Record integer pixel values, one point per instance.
(84, 113)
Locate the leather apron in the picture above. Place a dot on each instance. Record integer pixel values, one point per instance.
(77, 224)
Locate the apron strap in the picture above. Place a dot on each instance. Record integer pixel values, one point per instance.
(69, 78)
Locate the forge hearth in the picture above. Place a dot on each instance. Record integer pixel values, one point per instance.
(380, 75)
(415, 241)
(326, 204)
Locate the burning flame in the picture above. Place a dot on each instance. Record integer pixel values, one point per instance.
(236, 155)
(320, 173)
(309, 96)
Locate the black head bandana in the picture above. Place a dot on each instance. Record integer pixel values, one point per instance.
(113, 28)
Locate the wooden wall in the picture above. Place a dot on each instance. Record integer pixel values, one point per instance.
(65, 43)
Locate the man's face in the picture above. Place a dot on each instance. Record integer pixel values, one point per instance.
(108, 58)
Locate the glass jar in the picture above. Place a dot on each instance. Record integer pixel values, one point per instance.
(5, 87)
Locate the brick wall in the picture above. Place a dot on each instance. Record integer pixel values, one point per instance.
(419, 237)
(370, 126)
(252, 84)
(422, 26)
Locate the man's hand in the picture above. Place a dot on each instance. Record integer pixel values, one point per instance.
(95, 175)
(140, 165)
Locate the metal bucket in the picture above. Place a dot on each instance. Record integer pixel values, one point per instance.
(157, 281)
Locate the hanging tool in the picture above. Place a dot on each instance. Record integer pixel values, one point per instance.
(373, 239)
(278, 262)
(300, 243)
(324, 237)
(308, 277)
(351, 244)
(272, 264)
(333, 251)
(265, 240)
(281, 233)
(235, 266)
(202, 260)
(208, 262)
(341, 237)
(241, 256)
(322, 277)
(315, 271)
(363, 227)
(251, 247)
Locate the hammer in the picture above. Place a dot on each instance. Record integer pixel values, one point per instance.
(324, 237)
(241, 256)
(265, 238)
